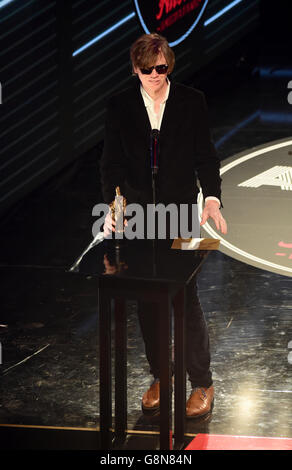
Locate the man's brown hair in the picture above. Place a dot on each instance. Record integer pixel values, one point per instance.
(145, 50)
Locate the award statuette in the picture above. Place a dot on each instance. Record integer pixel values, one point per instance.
(117, 208)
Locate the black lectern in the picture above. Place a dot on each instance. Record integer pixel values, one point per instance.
(129, 273)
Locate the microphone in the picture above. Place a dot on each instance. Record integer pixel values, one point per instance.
(154, 150)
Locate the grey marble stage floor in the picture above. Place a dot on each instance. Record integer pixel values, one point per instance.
(249, 317)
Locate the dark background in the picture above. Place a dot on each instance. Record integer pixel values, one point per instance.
(53, 103)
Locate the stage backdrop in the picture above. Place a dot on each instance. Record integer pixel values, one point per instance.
(60, 60)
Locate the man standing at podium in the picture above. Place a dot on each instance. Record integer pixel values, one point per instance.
(186, 152)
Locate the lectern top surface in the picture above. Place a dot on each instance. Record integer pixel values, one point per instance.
(153, 260)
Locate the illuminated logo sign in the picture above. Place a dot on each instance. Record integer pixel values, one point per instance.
(174, 19)
(257, 197)
(275, 176)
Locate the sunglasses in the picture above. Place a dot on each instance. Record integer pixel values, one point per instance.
(160, 69)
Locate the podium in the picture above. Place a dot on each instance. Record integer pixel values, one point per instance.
(157, 271)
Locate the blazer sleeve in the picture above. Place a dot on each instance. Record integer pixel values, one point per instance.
(207, 163)
(112, 162)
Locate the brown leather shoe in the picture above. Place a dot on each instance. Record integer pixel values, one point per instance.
(151, 398)
(200, 402)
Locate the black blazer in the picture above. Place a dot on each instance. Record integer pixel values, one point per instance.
(185, 149)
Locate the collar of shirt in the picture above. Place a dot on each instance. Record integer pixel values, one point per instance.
(155, 119)
(148, 101)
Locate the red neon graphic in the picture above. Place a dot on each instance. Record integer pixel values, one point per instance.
(166, 6)
(285, 245)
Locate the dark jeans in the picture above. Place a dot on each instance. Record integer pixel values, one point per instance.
(197, 339)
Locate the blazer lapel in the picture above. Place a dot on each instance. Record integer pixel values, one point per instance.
(171, 117)
(141, 121)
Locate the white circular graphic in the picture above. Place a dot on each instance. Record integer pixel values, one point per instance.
(257, 204)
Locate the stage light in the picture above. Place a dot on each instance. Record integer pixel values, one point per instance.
(246, 406)
(221, 12)
(104, 33)
(3, 3)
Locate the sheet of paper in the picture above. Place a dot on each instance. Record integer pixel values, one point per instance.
(195, 244)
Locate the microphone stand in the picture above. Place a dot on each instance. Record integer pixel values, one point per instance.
(154, 167)
(154, 161)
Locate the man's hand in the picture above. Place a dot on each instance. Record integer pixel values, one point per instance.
(109, 224)
(212, 210)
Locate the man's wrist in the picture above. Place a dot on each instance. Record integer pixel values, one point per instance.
(213, 198)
